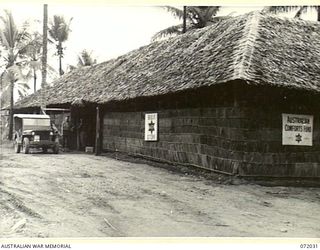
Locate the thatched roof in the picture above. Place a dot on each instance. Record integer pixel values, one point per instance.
(260, 48)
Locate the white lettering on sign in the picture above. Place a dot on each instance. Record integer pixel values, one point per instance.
(297, 129)
(151, 127)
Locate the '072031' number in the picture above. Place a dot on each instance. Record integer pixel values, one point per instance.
(309, 246)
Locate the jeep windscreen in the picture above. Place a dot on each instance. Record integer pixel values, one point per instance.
(36, 124)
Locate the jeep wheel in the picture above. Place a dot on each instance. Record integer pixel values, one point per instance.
(44, 150)
(16, 147)
(26, 146)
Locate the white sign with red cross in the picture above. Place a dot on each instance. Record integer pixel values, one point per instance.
(151, 127)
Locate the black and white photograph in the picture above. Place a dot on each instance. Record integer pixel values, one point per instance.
(159, 121)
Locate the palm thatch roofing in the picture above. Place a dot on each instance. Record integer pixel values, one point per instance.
(259, 48)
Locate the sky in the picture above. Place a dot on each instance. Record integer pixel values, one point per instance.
(107, 30)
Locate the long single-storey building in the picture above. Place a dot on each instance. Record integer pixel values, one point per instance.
(240, 97)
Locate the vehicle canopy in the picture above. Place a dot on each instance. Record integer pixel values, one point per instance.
(31, 122)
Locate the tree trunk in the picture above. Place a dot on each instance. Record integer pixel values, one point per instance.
(1, 102)
(11, 111)
(318, 11)
(184, 19)
(34, 81)
(1, 88)
(60, 65)
(60, 54)
(44, 45)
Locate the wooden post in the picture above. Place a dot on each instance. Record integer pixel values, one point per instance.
(77, 119)
(184, 24)
(98, 131)
(235, 90)
(44, 46)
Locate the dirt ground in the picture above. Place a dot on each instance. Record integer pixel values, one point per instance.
(81, 195)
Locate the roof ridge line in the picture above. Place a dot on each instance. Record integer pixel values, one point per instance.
(243, 60)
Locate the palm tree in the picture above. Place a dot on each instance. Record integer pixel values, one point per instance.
(84, 59)
(4, 92)
(59, 31)
(14, 78)
(196, 17)
(34, 53)
(14, 42)
(299, 10)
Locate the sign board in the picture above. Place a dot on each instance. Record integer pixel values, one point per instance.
(151, 127)
(297, 129)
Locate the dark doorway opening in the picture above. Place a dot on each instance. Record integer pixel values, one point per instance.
(84, 120)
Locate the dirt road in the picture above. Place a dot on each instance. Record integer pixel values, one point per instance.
(79, 195)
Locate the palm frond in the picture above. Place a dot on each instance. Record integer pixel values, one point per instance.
(14, 76)
(170, 31)
(71, 67)
(281, 9)
(197, 17)
(176, 12)
(213, 10)
(51, 69)
(22, 89)
(5, 88)
(300, 9)
(21, 94)
(24, 85)
(12, 39)
(201, 15)
(204, 11)
(59, 29)
(85, 58)
(52, 72)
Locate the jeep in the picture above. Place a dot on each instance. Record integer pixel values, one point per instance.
(34, 131)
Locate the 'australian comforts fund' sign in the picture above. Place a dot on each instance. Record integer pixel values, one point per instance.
(297, 129)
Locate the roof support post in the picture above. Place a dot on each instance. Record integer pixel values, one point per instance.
(98, 142)
(235, 94)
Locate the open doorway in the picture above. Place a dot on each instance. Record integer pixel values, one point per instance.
(84, 120)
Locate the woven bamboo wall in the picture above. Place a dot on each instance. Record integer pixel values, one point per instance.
(196, 136)
(244, 139)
